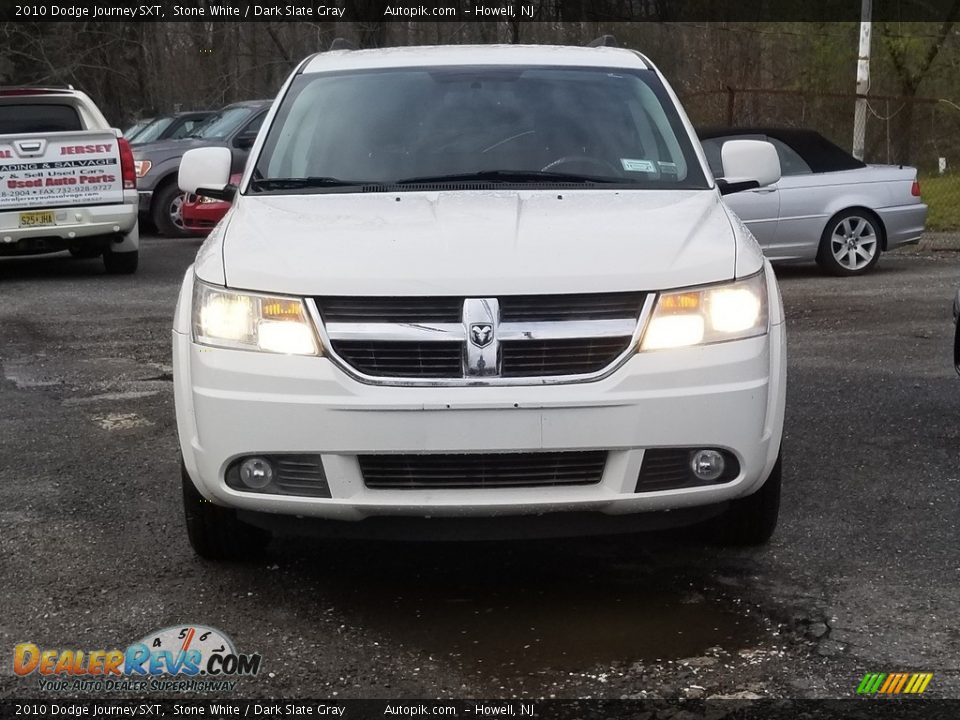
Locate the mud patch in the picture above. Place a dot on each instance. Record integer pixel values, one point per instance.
(502, 610)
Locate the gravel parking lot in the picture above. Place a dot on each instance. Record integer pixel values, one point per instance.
(861, 576)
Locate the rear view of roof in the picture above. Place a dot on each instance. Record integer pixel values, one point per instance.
(440, 55)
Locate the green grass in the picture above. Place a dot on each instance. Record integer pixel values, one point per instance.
(942, 194)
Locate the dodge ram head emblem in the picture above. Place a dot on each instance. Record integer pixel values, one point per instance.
(481, 334)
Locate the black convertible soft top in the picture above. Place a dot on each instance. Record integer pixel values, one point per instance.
(818, 152)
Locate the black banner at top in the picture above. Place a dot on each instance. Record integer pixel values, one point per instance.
(475, 10)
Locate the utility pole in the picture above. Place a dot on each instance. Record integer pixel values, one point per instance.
(863, 79)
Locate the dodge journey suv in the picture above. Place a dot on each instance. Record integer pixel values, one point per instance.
(478, 290)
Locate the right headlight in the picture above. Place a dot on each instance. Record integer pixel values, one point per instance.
(712, 314)
(251, 321)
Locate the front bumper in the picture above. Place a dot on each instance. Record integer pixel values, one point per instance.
(234, 403)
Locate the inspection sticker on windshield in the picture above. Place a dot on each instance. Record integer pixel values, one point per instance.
(637, 165)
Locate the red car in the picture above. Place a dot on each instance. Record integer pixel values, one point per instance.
(200, 214)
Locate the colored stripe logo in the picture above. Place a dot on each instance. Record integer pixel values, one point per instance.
(894, 683)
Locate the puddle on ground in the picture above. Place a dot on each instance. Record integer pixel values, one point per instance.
(527, 608)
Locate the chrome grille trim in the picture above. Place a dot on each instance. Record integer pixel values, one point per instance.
(506, 331)
(509, 331)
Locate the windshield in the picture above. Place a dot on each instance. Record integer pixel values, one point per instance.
(495, 123)
(131, 132)
(222, 124)
(153, 130)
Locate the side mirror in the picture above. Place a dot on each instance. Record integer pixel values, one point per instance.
(748, 164)
(245, 140)
(206, 171)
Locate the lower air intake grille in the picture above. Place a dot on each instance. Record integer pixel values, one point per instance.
(540, 358)
(403, 359)
(301, 475)
(420, 472)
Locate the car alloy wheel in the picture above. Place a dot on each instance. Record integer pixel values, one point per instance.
(854, 242)
(176, 212)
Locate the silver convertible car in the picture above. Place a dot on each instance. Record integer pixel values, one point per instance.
(828, 206)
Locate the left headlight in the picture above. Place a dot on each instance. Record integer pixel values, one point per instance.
(717, 313)
(250, 321)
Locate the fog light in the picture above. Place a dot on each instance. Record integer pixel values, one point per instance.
(256, 473)
(707, 464)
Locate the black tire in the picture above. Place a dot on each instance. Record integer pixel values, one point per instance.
(751, 520)
(166, 211)
(85, 253)
(851, 243)
(121, 263)
(214, 532)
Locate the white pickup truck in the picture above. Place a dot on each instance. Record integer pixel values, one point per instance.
(67, 180)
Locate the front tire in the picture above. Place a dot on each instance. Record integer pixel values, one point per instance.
(751, 520)
(851, 243)
(167, 211)
(214, 532)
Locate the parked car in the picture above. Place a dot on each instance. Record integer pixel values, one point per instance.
(131, 132)
(497, 285)
(233, 127)
(175, 126)
(67, 180)
(828, 206)
(201, 214)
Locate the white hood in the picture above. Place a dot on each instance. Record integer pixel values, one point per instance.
(475, 243)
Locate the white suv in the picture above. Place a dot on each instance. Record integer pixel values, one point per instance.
(475, 290)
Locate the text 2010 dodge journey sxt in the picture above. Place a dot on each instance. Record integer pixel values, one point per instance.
(478, 290)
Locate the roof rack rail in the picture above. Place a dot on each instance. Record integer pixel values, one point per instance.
(343, 44)
(604, 41)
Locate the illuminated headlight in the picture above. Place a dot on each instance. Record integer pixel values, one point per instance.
(717, 313)
(142, 167)
(247, 321)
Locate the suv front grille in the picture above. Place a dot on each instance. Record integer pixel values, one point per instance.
(566, 308)
(510, 339)
(559, 357)
(390, 309)
(500, 470)
(402, 359)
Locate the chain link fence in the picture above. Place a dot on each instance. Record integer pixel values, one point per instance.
(919, 131)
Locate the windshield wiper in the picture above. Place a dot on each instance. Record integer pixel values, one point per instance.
(510, 177)
(298, 183)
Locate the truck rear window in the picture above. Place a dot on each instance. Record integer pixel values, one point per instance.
(39, 117)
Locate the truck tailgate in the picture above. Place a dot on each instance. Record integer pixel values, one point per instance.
(49, 170)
